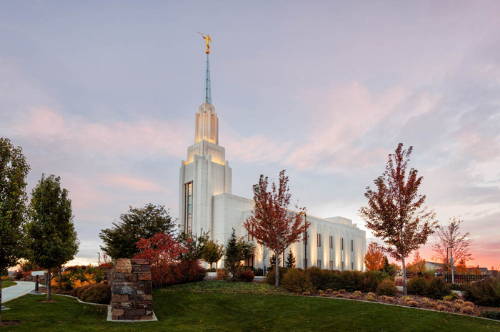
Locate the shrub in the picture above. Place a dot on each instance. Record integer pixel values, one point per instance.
(386, 287)
(189, 271)
(96, 293)
(485, 292)
(245, 275)
(437, 288)
(370, 297)
(296, 280)
(371, 280)
(352, 280)
(270, 275)
(319, 278)
(417, 286)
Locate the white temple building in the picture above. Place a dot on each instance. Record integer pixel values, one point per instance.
(208, 205)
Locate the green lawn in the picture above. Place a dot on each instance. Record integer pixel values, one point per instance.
(7, 283)
(221, 306)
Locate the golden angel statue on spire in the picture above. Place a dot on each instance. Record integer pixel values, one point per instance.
(207, 40)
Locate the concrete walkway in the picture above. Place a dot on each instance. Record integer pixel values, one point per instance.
(13, 292)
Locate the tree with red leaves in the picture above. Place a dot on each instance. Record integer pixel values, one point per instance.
(374, 257)
(161, 250)
(272, 224)
(396, 212)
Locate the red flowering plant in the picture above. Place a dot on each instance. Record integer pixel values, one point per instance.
(162, 250)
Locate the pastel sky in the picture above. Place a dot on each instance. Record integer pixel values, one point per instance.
(103, 94)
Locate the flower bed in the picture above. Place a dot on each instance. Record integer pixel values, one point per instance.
(453, 305)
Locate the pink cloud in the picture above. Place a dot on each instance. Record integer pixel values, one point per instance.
(133, 183)
(122, 138)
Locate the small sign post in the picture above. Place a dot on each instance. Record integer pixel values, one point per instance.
(37, 274)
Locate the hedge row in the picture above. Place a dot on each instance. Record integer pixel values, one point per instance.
(298, 280)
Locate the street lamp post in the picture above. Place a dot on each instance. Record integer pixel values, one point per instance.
(305, 242)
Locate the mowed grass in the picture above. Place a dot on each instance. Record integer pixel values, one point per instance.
(7, 283)
(224, 306)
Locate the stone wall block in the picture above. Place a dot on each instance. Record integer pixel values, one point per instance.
(131, 289)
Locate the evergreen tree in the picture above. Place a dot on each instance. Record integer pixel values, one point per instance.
(52, 236)
(290, 260)
(237, 250)
(13, 171)
(138, 223)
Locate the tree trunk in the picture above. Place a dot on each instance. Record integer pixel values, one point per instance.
(276, 272)
(405, 291)
(1, 299)
(49, 287)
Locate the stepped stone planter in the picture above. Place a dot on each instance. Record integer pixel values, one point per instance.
(131, 291)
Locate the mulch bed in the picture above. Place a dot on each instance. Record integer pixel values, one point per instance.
(455, 306)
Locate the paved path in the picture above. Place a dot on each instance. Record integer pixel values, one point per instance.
(13, 292)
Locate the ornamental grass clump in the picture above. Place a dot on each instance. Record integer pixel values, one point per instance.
(370, 296)
(357, 294)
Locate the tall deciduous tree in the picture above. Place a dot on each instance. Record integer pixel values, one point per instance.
(52, 236)
(137, 223)
(271, 224)
(13, 171)
(212, 252)
(396, 212)
(452, 241)
(374, 257)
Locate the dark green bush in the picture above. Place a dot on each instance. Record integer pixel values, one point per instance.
(417, 286)
(386, 287)
(371, 280)
(321, 279)
(485, 292)
(352, 280)
(296, 280)
(437, 288)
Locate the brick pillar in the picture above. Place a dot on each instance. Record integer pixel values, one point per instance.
(131, 290)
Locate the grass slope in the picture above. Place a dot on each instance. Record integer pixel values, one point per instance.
(221, 306)
(7, 283)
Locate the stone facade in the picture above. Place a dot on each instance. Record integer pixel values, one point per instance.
(131, 290)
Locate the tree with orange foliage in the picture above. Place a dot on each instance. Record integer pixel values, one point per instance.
(461, 267)
(396, 211)
(374, 257)
(271, 223)
(418, 264)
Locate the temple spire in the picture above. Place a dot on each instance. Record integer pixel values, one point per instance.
(208, 90)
